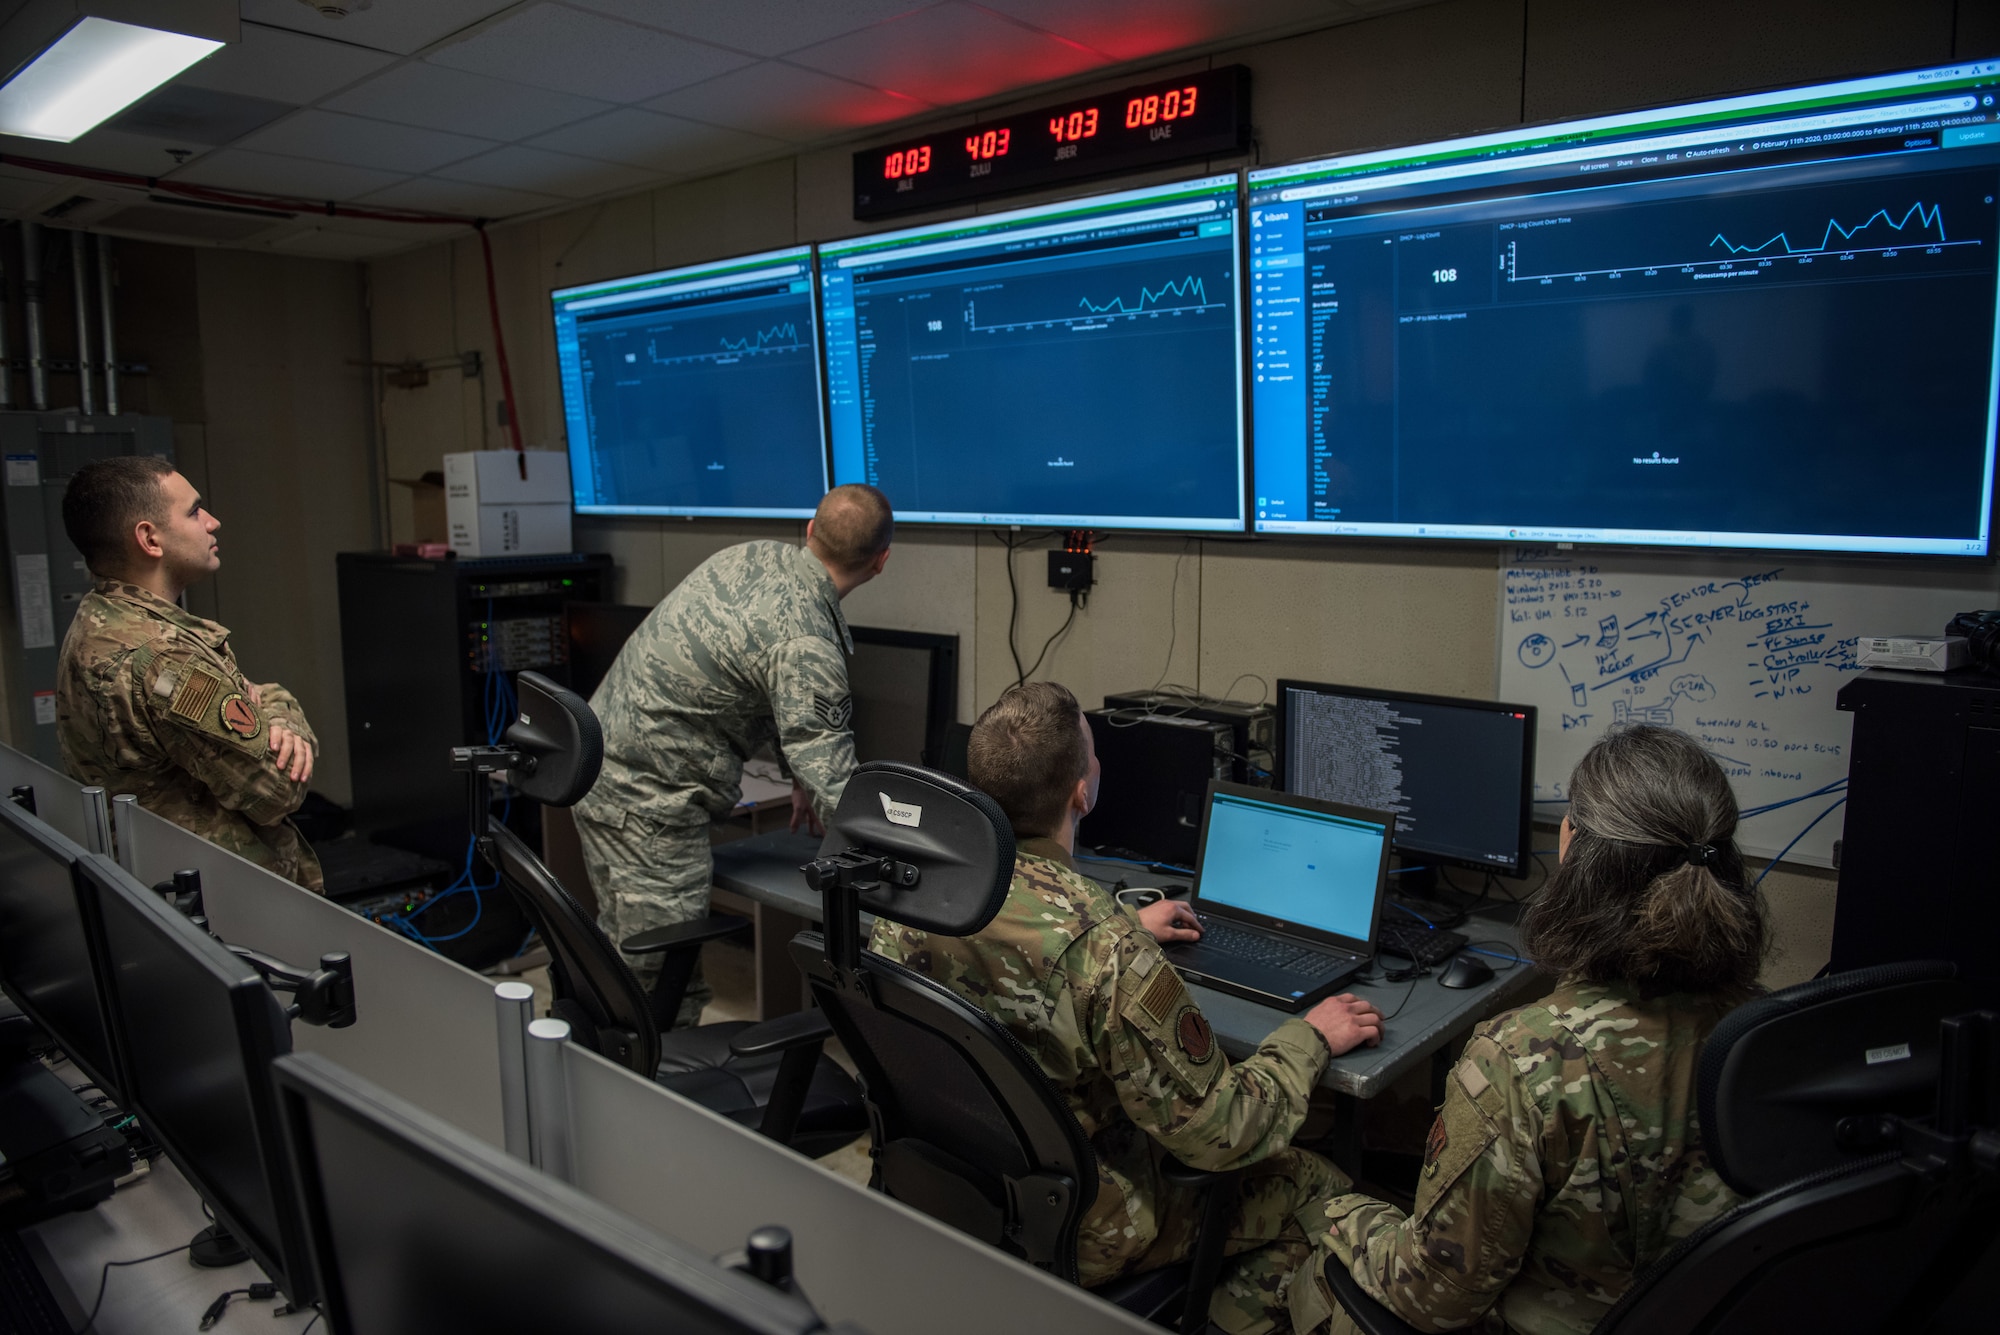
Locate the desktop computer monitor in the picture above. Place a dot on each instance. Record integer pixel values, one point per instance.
(905, 689)
(1759, 321)
(417, 1227)
(1458, 774)
(1074, 365)
(196, 1030)
(44, 955)
(597, 631)
(695, 391)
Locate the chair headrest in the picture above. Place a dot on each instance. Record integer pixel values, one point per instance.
(558, 736)
(955, 836)
(1782, 1073)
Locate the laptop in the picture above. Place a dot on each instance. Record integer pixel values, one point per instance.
(1289, 890)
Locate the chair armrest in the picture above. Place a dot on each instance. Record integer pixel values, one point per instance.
(782, 1034)
(676, 935)
(1368, 1315)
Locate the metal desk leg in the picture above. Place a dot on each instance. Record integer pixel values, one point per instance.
(781, 989)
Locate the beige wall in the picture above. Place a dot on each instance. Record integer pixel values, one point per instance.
(1207, 613)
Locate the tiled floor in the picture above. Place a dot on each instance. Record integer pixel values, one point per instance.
(731, 973)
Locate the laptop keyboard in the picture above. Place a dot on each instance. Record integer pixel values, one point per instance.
(1269, 951)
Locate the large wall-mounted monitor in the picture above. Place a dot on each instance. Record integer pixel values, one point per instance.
(1761, 321)
(695, 391)
(1075, 365)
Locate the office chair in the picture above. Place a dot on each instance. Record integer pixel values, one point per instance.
(1858, 1116)
(966, 1126)
(772, 1076)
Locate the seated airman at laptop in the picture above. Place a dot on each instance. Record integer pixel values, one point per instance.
(1082, 983)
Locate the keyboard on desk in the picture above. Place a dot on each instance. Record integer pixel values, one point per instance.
(1267, 967)
(1271, 951)
(1427, 947)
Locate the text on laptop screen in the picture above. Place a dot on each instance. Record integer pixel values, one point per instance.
(1302, 867)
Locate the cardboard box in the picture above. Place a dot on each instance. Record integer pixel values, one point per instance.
(493, 511)
(1913, 653)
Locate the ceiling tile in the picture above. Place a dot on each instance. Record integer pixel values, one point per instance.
(329, 244)
(571, 51)
(948, 54)
(663, 143)
(402, 26)
(199, 115)
(478, 201)
(524, 168)
(446, 99)
(284, 66)
(769, 27)
(786, 102)
(1131, 32)
(19, 192)
(113, 150)
(241, 169)
(359, 142)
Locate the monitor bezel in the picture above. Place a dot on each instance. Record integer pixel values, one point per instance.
(306, 1085)
(1672, 541)
(1318, 806)
(807, 254)
(262, 1035)
(58, 849)
(942, 708)
(1281, 761)
(1245, 460)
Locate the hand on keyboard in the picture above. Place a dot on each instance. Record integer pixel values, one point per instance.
(1170, 920)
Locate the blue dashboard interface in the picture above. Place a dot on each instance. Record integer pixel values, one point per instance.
(1310, 868)
(695, 391)
(1761, 321)
(1077, 365)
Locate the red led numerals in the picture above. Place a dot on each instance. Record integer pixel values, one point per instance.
(906, 162)
(992, 144)
(1157, 107)
(1077, 125)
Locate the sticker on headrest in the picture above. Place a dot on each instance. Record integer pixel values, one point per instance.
(1895, 1052)
(901, 813)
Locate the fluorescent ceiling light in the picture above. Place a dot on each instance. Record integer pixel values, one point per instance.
(93, 72)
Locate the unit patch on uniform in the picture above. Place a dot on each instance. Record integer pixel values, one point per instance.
(240, 718)
(834, 713)
(1197, 1040)
(197, 694)
(1436, 1144)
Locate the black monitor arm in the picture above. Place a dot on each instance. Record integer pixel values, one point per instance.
(322, 996)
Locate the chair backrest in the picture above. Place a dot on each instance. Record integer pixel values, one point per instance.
(967, 1127)
(594, 989)
(1876, 1093)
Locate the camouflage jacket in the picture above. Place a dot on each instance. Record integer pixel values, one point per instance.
(149, 701)
(747, 651)
(1565, 1159)
(1086, 990)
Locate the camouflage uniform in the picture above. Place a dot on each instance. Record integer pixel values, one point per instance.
(1086, 990)
(747, 652)
(149, 701)
(1565, 1159)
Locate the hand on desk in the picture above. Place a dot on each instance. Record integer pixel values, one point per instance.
(1170, 920)
(1346, 1022)
(802, 811)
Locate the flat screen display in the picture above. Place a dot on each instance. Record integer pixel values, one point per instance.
(1301, 863)
(1759, 322)
(44, 954)
(1076, 365)
(695, 391)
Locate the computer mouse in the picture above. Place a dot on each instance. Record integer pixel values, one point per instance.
(1466, 971)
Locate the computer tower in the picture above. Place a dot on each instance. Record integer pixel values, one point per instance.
(1156, 773)
(1253, 730)
(1919, 873)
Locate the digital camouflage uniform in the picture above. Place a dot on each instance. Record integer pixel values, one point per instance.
(149, 701)
(1565, 1159)
(746, 653)
(1084, 987)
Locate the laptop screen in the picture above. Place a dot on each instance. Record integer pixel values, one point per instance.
(1300, 862)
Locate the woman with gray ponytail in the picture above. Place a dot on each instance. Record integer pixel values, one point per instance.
(1566, 1157)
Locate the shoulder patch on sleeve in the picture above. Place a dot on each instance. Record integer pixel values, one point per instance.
(198, 692)
(1162, 995)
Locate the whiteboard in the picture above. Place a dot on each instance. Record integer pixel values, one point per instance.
(1745, 652)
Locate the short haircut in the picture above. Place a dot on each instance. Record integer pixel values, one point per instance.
(853, 525)
(1653, 892)
(105, 499)
(1027, 752)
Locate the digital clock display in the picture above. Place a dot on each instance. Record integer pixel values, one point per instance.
(1193, 116)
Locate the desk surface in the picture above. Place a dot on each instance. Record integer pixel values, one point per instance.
(1424, 1015)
